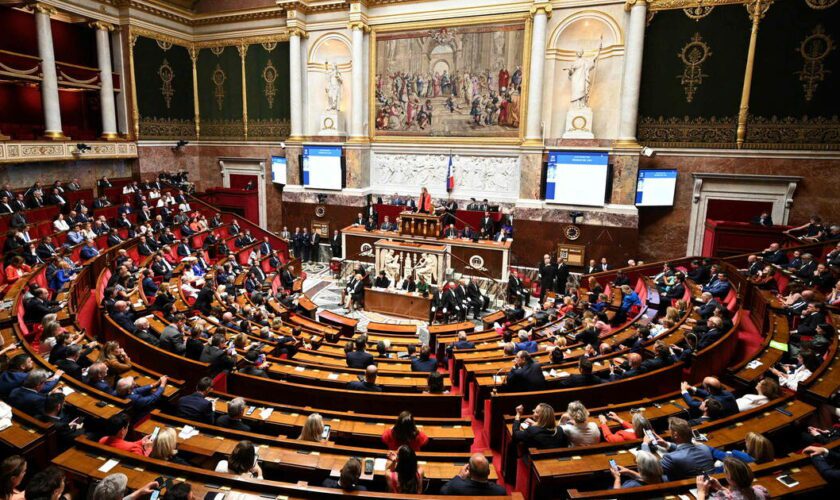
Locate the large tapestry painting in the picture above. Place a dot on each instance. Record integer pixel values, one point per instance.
(463, 81)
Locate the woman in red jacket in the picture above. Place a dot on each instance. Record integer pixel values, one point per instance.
(404, 432)
(629, 431)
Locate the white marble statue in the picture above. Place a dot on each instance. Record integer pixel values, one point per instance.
(333, 89)
(391, 265)
(408, 267)
(580, 74)
(427, 268)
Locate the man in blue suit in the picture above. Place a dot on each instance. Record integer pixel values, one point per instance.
(423, 363)
(720, 287)
(360, 358)
(30, 396)
(711, 388)
(143, 398)
(89, 251)
(196, 406)
(683, 459)
(18, 370)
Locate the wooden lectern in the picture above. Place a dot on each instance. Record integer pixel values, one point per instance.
(420, 224)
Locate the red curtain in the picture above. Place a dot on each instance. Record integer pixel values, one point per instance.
(21, 113)
(736, 210)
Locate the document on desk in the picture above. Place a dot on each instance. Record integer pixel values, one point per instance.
(107, 466)
(379, 464)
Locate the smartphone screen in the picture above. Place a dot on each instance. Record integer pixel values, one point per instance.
(155, 494)
(369, 466)
(788, 481)
(155, 433)
(250, 410)
(613, 465)
(326, 434)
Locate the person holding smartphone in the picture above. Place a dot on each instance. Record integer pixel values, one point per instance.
(739, 477)
(650, 472)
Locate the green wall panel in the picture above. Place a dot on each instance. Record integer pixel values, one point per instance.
(163, 74)
(267, 77)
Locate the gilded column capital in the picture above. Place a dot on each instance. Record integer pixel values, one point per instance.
(297, 31)
(358, 25)
(629, 4)
(243, 50)
(193, 51)
(101, 26)
(43, 8)
(544, 7)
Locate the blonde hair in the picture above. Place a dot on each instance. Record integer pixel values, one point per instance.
(108, 351)
(313, 428)
(165, 445)
(577, 412)
(760, 448)
(672, 313)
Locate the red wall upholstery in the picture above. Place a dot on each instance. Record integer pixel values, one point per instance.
(21, 113)
(81, 116)
(240, 181)
(736, 210)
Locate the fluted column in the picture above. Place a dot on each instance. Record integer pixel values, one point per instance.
(295, 83)
(533, 125)
(357, 119)
(106, 89)
(49, 78)
(631, 81)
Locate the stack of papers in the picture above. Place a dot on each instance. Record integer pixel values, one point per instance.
(188, 432)
(5, 423)
(266, 412)
(752, 365)
(67, 390)
(379, 464)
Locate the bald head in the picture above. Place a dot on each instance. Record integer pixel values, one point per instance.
(712, 384)
(479, 467)
(370, 373)
(120, 305)
(635, 360)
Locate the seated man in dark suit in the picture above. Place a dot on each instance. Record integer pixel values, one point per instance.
(707, 305)
(526, 376)
(633, 368)
(712, 335)
(359, 358)
(368, 384)
(711, 388)
(30, 397)
(233, 419)
(382, 281)
(584, 378)
(424, 363)
(65, 427)
(17, 372)
(196, 406)
(76, 359)
(473, 480)
(462, 343)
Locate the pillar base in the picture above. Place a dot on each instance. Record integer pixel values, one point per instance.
(626, 144)
(56, 136)
(110, 136)
(4, 137)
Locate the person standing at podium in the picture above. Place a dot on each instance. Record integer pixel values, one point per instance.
(424, 204)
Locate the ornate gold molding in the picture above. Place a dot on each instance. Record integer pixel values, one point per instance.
(687, 132)
(629, 4)
(814, 49)
(166, 128)
(684, 4)
(43, 8)
(29, 151)
(358, 25)
(101, 26)
(820, 133)
(296, 31)
(243, 54)
(541, 7)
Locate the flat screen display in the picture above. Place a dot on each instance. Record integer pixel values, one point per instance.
(656, 188)
(322, 167)
(278, 169)
(576, 178)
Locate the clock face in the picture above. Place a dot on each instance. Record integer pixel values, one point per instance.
(320, 211)
(572, 232)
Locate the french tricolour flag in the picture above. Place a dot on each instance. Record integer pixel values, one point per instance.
(450, 177)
